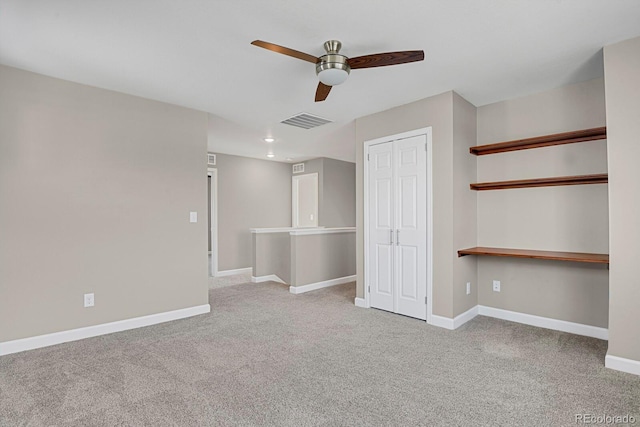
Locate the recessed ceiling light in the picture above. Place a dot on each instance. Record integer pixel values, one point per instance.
(288, 159)
(269, 139)
(271, 155)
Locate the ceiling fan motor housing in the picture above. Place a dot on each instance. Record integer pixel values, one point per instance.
(333, 69)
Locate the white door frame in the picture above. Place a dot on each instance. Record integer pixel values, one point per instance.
(294, 198)
(367, 144)
(213, 173)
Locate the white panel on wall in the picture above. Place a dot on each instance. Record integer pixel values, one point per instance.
(305, 200)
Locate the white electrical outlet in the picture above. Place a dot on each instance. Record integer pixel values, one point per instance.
(89, 300)
(193, 216)
(496, 286)
(468, 288)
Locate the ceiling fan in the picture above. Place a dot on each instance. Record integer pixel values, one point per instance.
(333, 68)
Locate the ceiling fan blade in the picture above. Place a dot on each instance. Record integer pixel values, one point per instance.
(285, 51)
(384, 59)
(322, 92)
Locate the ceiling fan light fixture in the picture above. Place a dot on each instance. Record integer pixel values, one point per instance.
(333, 76)
(333, 69)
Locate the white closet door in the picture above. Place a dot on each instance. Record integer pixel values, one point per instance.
(410, 290)
(381, 220)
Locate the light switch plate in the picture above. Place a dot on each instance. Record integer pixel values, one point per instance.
(193, 216)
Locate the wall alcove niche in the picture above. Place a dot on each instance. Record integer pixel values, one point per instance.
(530, 143)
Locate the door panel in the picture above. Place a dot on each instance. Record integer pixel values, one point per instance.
(380, 269)
(407, 200)
(384, 273)
(383, 212)
(408, 260)
(411, 211)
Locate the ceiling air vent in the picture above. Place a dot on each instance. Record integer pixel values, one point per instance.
(305, 121)
(298, 168)
(211, 159)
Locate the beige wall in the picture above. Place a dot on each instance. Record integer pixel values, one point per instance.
(272, 255)
(313, 166)
(622, 82)
(319, 257)
(252, 193)
(570, 218)
(437, 112)
(95, 193)
(338, 207)
(465, 229)
(336, 191)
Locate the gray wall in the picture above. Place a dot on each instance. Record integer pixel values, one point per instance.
(622, 82)
(95, 193)
(252, 193)
(319, 257)
(313, 166)
(338, 207)
(336, 191)
(568, 218)
(465, 205)
(272, 255)
(448, 161)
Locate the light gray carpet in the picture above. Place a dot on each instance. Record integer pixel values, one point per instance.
(267, 357)
(223, 282)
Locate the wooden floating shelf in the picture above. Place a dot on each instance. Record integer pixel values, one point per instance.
(602, 178)
(541, 141)
(526, 253)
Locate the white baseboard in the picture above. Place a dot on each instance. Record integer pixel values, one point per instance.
(463, 318)
(545, 322)
(442, 322)
(629, 366)
(456, 322)
(269, 278)
(361, 302)
(39, 341)
(224, 273)
(527, 319)
(320, 285)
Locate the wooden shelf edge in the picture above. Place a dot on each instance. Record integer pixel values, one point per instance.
(548, 255)
(572, 137)
(602, 178)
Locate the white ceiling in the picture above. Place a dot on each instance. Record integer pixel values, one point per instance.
(197, 53)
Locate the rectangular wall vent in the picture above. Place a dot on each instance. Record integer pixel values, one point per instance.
(305, 121)
(298, 168)
(211, 159)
